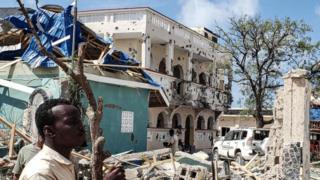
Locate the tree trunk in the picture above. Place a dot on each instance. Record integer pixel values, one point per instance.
(259, 117)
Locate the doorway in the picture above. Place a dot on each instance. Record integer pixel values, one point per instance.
(188, 136)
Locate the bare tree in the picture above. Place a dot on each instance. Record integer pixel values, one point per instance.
(94, 111)
(261, 51)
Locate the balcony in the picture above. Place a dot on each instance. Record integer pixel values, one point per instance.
(180, 92)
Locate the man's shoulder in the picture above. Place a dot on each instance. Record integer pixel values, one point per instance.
(29, 148)
(36, 166)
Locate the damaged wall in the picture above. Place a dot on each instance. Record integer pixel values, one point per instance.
(199, 133)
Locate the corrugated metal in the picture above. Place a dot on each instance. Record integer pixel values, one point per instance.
(51, 27)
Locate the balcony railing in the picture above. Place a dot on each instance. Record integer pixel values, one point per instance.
(181, 92)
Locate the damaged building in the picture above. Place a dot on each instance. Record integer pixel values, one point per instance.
(27, 77)
(194, 76)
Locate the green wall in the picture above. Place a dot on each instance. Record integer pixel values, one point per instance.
(117, 99)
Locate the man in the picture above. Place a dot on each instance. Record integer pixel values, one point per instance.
(173, 142)
(25, 155)
(59, 123)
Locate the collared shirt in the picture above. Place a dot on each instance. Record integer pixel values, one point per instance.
(25, 155)
(48, 165)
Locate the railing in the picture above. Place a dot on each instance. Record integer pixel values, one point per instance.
(160, 22)
(196, 94)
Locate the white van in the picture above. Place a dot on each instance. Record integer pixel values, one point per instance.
(240, 144)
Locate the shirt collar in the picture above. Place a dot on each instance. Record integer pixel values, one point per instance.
(55, 155)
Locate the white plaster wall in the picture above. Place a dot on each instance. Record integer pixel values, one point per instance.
(181, 58)
(158, 52)
(130, 46)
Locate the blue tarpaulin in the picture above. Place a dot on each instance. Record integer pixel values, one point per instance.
(315, 114)
(125, 59)
(50, 27)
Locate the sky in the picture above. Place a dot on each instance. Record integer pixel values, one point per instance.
(208, 13)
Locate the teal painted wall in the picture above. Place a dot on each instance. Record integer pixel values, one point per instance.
(117, 99)
(13, 102)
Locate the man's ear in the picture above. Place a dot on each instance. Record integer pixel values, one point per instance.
(48, 131)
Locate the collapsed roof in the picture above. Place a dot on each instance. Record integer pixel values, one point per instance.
(54, 26)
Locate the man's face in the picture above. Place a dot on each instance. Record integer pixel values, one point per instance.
(68, 127)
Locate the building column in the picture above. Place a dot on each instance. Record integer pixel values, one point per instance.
(297, 93)
(146, 52)
(169, 57)
(189, 66)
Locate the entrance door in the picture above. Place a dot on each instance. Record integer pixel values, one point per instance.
(188, 137)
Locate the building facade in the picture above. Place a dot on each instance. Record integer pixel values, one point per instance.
(186, 62)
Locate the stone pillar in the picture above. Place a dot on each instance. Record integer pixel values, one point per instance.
(169, 57)
(189, 66)
(296, 124)
(146, 52)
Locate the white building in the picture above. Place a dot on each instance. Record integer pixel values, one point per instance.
(185, 63)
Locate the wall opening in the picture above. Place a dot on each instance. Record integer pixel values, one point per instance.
(160, 120)
(194, 76)
(203, 78)
(176, 120)
(210, 123)
(162, 66)
(200, 123)
(188, 136)
(178, 71)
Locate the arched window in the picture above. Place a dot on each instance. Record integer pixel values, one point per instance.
(160, 121)
(178, 71)
(200, 123)
(210, 123)
(203, 78)
(176, 120)
(162, 66)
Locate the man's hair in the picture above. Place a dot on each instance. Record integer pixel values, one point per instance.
(44, 115)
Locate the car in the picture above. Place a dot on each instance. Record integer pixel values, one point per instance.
(241, 144)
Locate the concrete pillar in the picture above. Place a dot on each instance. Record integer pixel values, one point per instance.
(189, 66)
(146, 52)
(169, 57)
(296, 118)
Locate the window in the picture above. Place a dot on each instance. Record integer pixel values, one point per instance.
(260, 134)
(127, 121)
(160, 121)
(236, 135)
(162, 66)
(194, 76)
(206, 34)
(229, 135)
(200, 123)
(224, 131)
(244, 134)
(210, 123)
(178, 72)
(176, 121)
(203, 78)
